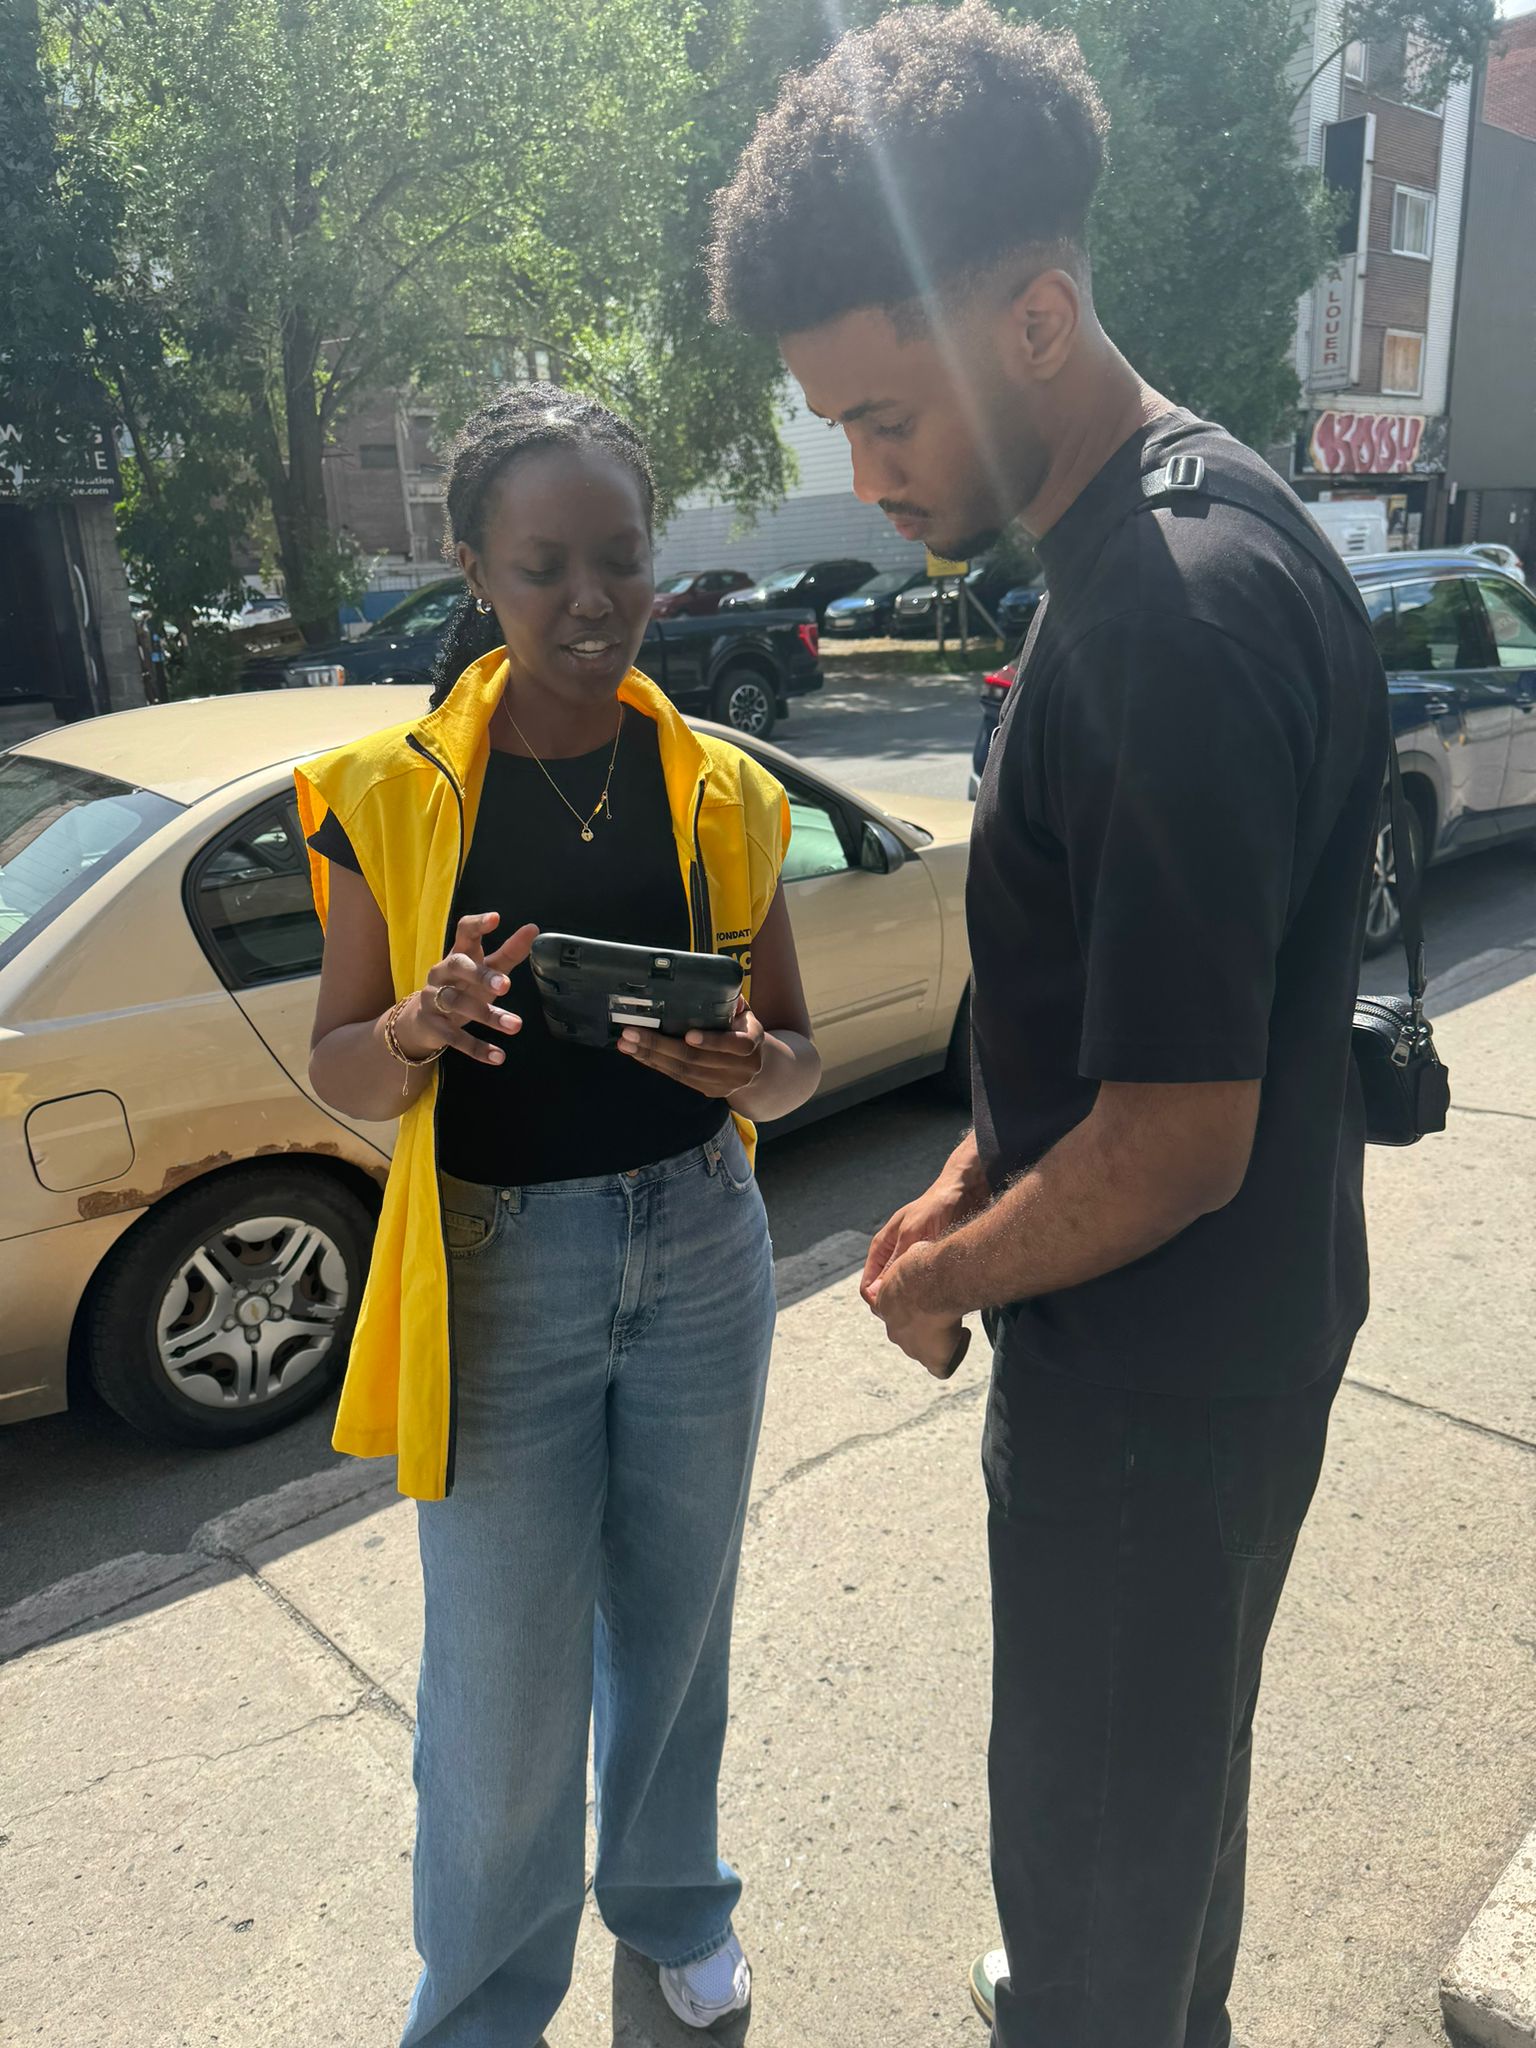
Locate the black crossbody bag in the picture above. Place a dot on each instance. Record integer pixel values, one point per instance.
(1406, 1084)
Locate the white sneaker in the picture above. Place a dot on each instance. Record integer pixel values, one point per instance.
(986, 1974)
(703, 1992)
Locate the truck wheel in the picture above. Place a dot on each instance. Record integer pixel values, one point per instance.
(228, 1310)
(746, 703)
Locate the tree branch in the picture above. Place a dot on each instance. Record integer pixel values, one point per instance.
(1331, 58)
(341, 384)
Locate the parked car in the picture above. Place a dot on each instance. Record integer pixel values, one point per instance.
(1501, 557)
(178, 1213)
(913, 611)
(1016, 610)
(815, 584)
(743, 671)
(696, 593)
(400, 647)
(1458, 642)
(865, 614)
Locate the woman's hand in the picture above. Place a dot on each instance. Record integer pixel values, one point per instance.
(716, 1063)
(462, 989)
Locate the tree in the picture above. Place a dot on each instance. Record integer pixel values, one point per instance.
(1441, 41)
(55, 246)
(317, 201)
(1208, 227)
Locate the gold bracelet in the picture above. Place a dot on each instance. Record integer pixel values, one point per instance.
(407, 1059)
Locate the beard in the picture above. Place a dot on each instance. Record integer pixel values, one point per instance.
(977, 542)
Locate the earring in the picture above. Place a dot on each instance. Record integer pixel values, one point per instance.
(482, 608)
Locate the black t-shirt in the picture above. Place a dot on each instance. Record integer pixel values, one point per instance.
(554, 1111)
(1167, 883)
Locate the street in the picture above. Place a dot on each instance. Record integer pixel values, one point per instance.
(82, 1489)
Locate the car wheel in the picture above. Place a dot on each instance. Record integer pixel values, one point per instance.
(746, 703)
(1383, 913)
(228, 1310)
(956, 1078)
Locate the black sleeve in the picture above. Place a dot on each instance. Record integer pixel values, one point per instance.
(1176, 760)
(330, 840)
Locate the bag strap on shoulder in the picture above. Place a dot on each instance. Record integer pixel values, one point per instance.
(1186, 478)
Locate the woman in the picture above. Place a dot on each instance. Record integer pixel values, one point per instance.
(567, 1325)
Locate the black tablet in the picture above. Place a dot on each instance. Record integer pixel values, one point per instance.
(592, 989)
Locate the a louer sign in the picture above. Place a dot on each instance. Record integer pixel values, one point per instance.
(90, 472)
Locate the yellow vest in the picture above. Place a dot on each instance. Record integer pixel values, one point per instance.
(407, 799)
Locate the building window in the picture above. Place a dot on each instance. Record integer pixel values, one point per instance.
(377, 455)
(1402, 364)
(1354, 63)
(1413, 222)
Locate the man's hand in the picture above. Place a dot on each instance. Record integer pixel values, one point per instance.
(937, 1342)
(959, 1193)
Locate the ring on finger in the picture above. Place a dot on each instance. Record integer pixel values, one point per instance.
(444, 988)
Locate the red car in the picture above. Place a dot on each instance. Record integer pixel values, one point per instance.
(696, 592)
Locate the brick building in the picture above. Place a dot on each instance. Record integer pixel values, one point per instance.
(384, 481)
(1374, 338)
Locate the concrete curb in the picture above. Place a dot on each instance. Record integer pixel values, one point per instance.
(92, 1596)
(1488, 1989)
(95, 1595)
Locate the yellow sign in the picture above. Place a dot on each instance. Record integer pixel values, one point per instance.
(937, 566)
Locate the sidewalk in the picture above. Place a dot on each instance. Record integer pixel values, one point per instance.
(205, 1802)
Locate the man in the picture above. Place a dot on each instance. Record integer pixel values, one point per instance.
(1161, 1201)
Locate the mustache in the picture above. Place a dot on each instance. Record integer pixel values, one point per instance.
(902, 508)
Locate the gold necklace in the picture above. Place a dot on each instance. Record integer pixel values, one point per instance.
(602, 805)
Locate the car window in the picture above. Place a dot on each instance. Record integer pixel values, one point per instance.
(250, 900)
(816, 845)
(418, 615)
(674, 586)
(1382, 613)
(1435, 627)
(60, 829)
(1512, 621)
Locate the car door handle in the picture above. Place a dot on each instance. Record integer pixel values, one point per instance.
(1439, 707)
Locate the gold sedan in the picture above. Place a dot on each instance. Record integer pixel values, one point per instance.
(178, 1214)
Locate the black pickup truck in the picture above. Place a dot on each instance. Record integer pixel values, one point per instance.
(739, 668)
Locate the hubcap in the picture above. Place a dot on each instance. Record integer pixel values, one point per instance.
(252, 1312)
(1381, 916)
(748, 709)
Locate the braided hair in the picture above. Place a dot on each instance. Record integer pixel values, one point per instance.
(522, 419)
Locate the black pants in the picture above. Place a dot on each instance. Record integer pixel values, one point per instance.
(1139, 1545)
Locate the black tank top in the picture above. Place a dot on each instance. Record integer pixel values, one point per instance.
(554, 1111)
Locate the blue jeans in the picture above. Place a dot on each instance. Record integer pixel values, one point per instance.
(611, 1340)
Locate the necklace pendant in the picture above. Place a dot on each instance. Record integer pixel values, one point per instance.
(586, 831)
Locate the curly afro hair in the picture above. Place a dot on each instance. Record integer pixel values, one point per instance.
(919, 152)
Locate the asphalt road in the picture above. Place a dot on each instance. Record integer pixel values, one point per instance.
(80, 1489)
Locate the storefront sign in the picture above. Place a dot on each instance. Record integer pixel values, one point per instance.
(92, 474)
(1333, 325)
(1374, 444)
